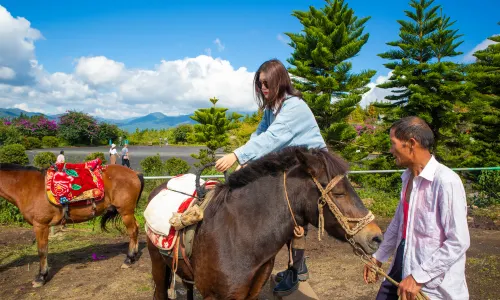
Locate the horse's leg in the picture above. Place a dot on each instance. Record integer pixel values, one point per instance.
(260, 279)
(133, 230)
(190, 290)
(160, 271)
(42, 239)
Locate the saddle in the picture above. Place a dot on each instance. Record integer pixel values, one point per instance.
(75, 184)
(174, 214)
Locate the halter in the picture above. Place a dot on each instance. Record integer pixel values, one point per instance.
(326, 199)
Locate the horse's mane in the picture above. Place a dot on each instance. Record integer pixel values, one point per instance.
(16, 167)
(274, 164)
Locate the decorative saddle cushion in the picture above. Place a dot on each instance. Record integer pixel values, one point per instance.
(165, 203)
(71, 183)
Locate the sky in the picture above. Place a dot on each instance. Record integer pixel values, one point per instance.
(122, 59)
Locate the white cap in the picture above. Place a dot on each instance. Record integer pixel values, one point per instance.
(113, 145)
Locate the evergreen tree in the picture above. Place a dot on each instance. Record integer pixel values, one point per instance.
(331, 37)
(423, 83)
(212, 130)
(484, 111)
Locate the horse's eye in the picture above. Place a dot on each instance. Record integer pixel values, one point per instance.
(337, 195)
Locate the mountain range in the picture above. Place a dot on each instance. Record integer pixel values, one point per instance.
(155, 120)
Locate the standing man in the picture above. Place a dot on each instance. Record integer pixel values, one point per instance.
(428, 234)
(125, 156)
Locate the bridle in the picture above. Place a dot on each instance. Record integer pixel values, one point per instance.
(325, 199)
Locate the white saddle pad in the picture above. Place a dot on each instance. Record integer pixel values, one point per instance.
(162, 206)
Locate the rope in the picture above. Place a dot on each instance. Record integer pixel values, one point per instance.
(298, 231)
(365, 259)
(343, 220)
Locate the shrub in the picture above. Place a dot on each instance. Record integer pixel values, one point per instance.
(50, 141)
(9, 135)
(15, 154)
(153, 166)
(175, 166)
(95, 155)
(44, 160)
(488, 186)
(31, 143)
(9, 213)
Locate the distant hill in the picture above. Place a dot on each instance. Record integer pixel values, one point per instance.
(155, 120)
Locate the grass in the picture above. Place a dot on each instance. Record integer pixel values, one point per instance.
(382, 204)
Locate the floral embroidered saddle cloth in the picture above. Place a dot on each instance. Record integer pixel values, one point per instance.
(72, 183)
(176, 198)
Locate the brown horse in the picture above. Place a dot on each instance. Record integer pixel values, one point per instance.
(248, 221)
(25, 188)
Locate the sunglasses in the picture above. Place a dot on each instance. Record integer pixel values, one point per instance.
(262, 83)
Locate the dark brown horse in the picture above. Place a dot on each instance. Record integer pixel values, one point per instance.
(248, 221)
(25, 188)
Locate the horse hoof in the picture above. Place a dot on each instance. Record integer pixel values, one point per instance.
(37, 284)
(39, 280)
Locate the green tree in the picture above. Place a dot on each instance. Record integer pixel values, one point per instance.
(78, 128)
(212, 128)
(108, 131)
(423, 83)
(330, 38)
(181, 133)
(484, 111)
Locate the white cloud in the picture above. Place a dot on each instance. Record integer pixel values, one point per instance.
(7, 73)
(104, 87)
(17, 48)
(208, 51)
(220, 46)
(469, 57)
(282, 39)
(375, 93)
(99, 70)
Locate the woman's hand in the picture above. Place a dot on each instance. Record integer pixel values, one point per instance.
(225, 162)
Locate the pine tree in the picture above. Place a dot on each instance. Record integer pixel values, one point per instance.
(212, 130)
(423, 83)
(331, 36)
(484, 111)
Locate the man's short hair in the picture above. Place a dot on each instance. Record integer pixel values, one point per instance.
(414, 127)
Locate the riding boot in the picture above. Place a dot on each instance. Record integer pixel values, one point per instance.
(299, 264)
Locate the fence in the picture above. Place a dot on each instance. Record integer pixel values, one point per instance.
(350, 172)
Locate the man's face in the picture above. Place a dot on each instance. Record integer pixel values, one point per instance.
(400, 150)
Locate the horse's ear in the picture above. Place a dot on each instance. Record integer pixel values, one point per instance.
(309, 162)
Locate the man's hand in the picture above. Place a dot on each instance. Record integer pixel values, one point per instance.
(370, 276)
(225, 162)
(409, 288)
(240, 166)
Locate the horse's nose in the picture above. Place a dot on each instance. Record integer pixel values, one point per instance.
(376, 241)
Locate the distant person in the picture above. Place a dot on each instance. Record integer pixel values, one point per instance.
(112, 154)
(60, 157)
(125, 156)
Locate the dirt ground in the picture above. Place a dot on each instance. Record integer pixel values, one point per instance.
(86, 265)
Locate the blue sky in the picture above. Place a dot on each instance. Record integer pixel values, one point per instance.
(140, 34)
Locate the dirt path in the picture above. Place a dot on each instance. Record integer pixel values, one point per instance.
(86, 265)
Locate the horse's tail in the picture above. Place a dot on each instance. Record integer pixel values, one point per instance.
(112, 215)
(141, 179)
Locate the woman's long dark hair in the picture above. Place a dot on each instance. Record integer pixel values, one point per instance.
(278, 83)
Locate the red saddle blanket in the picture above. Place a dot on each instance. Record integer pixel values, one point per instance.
(70, 183)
